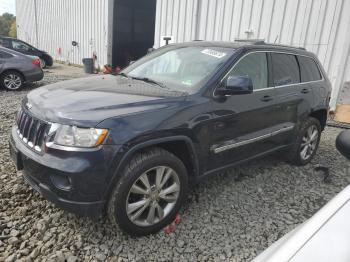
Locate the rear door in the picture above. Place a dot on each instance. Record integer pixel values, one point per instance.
(4, 58)
(293, 99)
(242, 124)
(312, 81)
(2, 61)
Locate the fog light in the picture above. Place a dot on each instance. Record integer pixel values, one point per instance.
(61, 182)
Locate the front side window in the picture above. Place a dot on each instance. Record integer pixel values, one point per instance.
(254, 66)
(20, 45)
(285, 69)
(308, 69)
(182, 68)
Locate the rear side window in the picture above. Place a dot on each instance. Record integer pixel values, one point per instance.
(308, 69)
(5, 55)
(255, 66)
(285, 69)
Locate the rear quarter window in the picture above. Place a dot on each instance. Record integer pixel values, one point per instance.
(308, 69)
(5, 43)
(285, 69)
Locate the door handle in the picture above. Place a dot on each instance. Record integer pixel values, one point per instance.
(305, 91)
(266, 98)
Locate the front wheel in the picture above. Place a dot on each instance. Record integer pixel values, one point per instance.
(150, 192)
(306, 143)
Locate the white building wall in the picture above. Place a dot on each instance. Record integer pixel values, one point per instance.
(321, 26)
(52, 26)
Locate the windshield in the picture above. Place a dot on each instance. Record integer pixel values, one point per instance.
(180, 68)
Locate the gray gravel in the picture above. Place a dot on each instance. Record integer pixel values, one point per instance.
(233, 216)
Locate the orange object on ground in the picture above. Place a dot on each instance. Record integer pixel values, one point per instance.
(108, 69)
(171, 227)
(342, 113)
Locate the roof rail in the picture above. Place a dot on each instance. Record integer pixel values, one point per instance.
(288, 46)
(251, 41)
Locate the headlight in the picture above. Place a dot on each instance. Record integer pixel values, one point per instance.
(79, 137)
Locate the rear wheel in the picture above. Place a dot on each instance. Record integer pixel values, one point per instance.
(150, 192)
(306, 144)
(12, 80)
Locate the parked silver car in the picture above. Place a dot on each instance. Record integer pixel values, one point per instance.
(17, 69)
(325, 236)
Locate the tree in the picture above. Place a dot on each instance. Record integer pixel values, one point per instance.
(6, 20)
(13, 30)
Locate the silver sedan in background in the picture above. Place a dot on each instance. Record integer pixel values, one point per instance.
(17, 69)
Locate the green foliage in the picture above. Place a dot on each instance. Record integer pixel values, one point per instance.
(6, 21)
(13, 30)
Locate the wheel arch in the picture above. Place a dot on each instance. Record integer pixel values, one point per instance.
(13, 70)
(181, 146)
(320, 115)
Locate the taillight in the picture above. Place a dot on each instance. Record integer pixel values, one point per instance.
(36, 62)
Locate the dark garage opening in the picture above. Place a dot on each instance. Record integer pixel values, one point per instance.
(133, 30)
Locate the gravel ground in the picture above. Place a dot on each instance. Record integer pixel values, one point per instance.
(232, 216)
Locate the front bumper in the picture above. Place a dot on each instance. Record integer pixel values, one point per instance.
(74, 181)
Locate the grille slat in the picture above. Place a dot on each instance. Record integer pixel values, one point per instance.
(40, 135)
(21, 125)
(31, 130)
(35, 133)
(29, 125)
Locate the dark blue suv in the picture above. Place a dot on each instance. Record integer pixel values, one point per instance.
(131, 144)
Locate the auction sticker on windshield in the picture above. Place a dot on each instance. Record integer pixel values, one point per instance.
(213, 53)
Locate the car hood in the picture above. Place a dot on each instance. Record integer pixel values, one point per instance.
(88, 101)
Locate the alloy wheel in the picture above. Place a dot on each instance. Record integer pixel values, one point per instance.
(152, 196)
(309, 142)
(12, 81)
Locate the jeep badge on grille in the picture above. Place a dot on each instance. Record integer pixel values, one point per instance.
(29, 105)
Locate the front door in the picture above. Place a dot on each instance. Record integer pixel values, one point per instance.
(242, 125)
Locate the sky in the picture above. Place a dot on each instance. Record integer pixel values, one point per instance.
(7, 6)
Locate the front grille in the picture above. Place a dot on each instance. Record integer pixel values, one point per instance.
(31, 130)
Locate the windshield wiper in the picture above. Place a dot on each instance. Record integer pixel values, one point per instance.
(151, 81)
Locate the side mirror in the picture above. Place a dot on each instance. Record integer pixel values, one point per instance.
(236, 85)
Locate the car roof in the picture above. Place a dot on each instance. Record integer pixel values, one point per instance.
(248, 44)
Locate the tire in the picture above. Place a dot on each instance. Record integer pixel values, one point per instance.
(12, 80)
(42, 63)
(155, 213)
(48, 60)
(295, 155)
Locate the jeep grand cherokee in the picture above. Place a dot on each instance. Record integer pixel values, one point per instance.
(131, 144)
